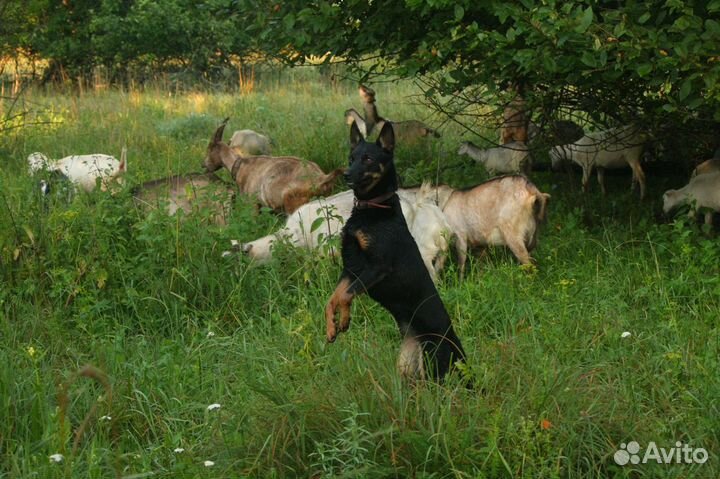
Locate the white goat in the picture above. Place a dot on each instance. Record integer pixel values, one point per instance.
(83, 170)
(707, 166)
(703, 191)
(505, 211)
(430, 229)
(425, 222)
(250, 143)
(512, 157)
(609, 149)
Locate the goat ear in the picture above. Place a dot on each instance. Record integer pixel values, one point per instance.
(386, 139)
(123, 160)
(219, 132)
(355, 136)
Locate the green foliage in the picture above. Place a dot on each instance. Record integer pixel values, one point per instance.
(653, 62)
(76, 36)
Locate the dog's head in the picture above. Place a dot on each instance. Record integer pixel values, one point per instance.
(371, 171)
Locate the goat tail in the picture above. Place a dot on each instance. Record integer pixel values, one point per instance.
(540, 206)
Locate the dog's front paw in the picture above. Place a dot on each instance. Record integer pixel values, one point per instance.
(345, 314)
(331, 335)
(330, 330)
(344, 324)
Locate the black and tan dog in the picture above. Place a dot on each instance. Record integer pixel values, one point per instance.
(381, 258)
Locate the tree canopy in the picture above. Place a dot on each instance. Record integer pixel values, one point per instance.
(614, 61)
(651, 61)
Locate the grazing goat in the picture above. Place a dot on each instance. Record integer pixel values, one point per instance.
(609, 149)
(381, 258)
(188, 193)
(430, 229)
(707, 166)
(250, 143)
(703, 191)
(282, 183)
(510, 158)
(83, 170)
(408, 131)
(505, 211)
(426, 222)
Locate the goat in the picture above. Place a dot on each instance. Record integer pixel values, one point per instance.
(707, 166)
(83, 170)
(515, 122)
(282, 183)
(703, 191)
(352, 116)
(250, 143)
(381, 258)
(426, 222)
(609, 149)
(430, 229)
(188, 193)
(57, 184)
(407, 131)
(558, 132)
(505, 211)
(510, 158)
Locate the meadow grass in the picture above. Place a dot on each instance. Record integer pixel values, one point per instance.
(149, 301)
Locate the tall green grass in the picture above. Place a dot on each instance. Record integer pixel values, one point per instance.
(149, 300)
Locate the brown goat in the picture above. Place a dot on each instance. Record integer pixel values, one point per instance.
(283, 183)
(407, 131)
(188, 193)
(515, 122)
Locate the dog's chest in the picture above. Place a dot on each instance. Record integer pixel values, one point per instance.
(372, 237)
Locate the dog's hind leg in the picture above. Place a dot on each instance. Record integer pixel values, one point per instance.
(442, 351)
(411, 361)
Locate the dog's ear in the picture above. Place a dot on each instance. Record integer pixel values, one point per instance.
(386, 139)
(355, 136)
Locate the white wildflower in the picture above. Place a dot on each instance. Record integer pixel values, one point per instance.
(210, 334)
(56, 457)
(209, 463)
(106, 418)
(178, 450)
(213, 406)
(626, 334)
